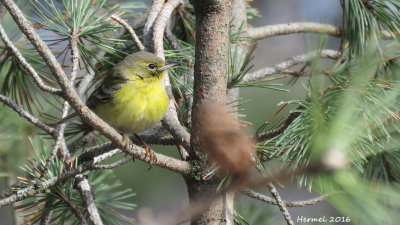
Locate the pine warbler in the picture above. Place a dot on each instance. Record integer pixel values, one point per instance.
(132, 97)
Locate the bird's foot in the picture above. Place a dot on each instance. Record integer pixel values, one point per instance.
(128, 144)
(149, 156)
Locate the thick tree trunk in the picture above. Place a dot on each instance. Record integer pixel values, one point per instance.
(219, 212)
(212, 36)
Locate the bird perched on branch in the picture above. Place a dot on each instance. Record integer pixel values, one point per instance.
(132, 97)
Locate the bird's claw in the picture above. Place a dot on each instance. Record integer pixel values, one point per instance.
(128, 144)
(149, 156)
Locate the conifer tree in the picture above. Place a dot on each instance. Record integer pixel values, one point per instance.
(340, 141)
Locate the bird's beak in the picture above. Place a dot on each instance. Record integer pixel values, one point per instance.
(168, 65)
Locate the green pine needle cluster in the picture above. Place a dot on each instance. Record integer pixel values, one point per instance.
(64, 195)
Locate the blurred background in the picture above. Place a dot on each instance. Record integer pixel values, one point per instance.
(159, 191)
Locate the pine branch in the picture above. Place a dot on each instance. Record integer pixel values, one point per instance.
(259, 33)
(173, 41)
(88, 199)
(269, 200)
(155, 9)
(166, 161)
(170, 120)
(29, 117)
(292, 28)
(130, 30)
(39, 186)
(280, 204)
(60, 141)
(17, 54)
(275, 132)
(115, 164)
(75, 209)
(73, 98)
(46, 216)
(160, 24)
(237, 184)
(276, 69)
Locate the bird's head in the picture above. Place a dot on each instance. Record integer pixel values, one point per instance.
(142, 65)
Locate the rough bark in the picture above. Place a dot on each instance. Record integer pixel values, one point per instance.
(211, 60)
(212, 36)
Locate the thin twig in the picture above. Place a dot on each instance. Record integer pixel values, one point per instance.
(170, 120)
(280, 203)
(39, 186)
(88, 199)
(29, 117)
(94, 151)
(269, 200)
(265, 72)
(74, 208)
(160, 24)
(76, 103)
(275, 132)
(171, 37)
(59, 145)
(115, 164)
(291, 28)
(4, 55)
(46, 216)
(259, 33)
(130, 30)
(17, 54)
(59, 141)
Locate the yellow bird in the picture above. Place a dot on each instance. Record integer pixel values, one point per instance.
(132, 97)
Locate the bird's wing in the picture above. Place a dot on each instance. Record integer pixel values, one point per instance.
(104, 92)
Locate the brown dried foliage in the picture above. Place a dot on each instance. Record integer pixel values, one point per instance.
(225, 141)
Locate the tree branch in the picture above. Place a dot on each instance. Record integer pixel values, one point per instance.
(114, 164)
(275, 132)
(292, 28)
(155, 9)
(130, 30)
(17, 54)
(276, 69)
(75, 209)
(46, 216)
(259, 33)
(269, 200)
(162, 160)
(210, 85)
(173, 41)
(88, 199)
(280, 203)
(170, 120)
(211, 60)
(40, 185)
(60, 141)
(160, 24)
(18, 109)
(72, 97)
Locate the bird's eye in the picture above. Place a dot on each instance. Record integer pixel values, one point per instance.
(151, 66)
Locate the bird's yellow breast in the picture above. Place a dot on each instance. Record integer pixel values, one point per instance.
(136, 107)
